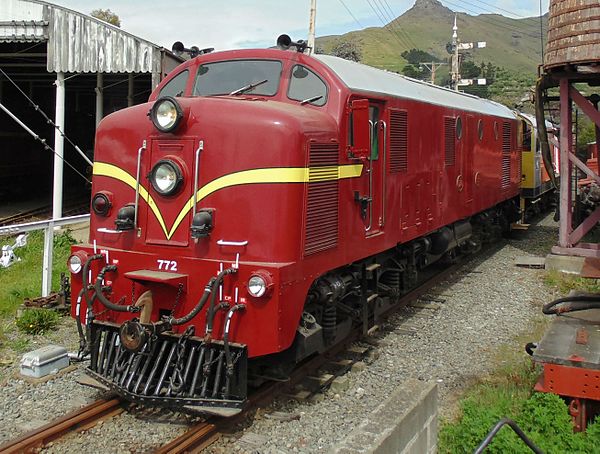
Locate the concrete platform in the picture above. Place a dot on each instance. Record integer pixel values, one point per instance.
(406, 423)
(584, 266)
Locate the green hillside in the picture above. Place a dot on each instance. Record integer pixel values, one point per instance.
(512, 44)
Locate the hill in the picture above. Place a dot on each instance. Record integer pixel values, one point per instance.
(513, 44)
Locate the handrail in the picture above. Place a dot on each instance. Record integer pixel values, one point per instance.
(48, 227)
(513, 425)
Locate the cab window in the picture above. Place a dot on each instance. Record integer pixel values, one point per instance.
(306, 87)
(257, 77)
(176, 86)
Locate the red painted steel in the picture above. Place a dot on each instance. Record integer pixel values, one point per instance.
(420, 194)
(570, 381)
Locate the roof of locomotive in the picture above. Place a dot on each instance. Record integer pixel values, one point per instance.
(366, 78)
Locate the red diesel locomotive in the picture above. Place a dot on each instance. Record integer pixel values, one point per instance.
(265, 201)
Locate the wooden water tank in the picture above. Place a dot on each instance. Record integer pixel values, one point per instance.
(573, 33)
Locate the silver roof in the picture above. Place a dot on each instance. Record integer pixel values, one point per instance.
(77, 42)
(368, 79)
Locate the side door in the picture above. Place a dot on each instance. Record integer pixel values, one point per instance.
(369, 134)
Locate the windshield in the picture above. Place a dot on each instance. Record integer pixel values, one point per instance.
(225, 77)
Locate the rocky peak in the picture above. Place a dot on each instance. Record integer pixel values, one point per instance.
(429, 7)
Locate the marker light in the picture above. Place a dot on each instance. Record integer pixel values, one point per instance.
(260, 284)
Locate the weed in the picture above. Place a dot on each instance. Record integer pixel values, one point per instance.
(543, 417)
(24, 278)
(37, 321)
(564, 283)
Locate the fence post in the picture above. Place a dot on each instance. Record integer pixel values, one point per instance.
(47, 266)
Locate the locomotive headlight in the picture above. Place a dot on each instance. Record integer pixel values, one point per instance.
(166, 177)
(260, 284)
(166, 114)
(76, 261)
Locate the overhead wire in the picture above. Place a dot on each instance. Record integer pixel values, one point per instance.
(492, 23)
(512, 28)
(383, 23)
(50, 122)
(389, 19)
(358, 22)
(395, 16)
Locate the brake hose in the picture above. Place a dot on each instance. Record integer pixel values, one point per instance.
(105, 301)
(210, 315)
(203, 299)
(572, 304)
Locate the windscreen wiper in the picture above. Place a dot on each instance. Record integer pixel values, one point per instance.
(311, 100)
(248, 87)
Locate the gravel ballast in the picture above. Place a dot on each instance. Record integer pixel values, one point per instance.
(484, 305)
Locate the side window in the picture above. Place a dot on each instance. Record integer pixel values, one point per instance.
(176, 86)
(526, 136)
(307, 87)
(373, 117)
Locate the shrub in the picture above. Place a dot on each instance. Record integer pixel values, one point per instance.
(37, 321)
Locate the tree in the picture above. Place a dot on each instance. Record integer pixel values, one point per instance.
(107, 16)
(412, 71)
(416, 56)
(348, 50)
(469, 70)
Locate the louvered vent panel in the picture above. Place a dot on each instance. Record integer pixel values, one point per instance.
(506, 141)
(398, 141)
(449, 140)
(321, 224)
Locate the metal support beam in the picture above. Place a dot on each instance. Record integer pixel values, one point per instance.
(59, 146)
(566, 139)
(587, 107)
(99, 98)
(130, 90)
(48, 255)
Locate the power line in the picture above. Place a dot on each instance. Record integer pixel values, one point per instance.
(383, 23)
(358, 22)
(496, 24)
(394, 17)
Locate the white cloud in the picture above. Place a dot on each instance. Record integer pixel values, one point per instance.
(257, 23)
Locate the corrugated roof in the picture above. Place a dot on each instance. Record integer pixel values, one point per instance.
(366, 78)
(77, 42)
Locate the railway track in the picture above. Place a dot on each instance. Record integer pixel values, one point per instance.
(71, 208)
(204, 433)
(81, 419)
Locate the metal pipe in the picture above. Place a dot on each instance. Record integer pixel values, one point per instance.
(59, 146)
(211, 308)
(196, 174)
(137, 185)
(105, 301)
(228, 360)
(370, 177)
(384, 173)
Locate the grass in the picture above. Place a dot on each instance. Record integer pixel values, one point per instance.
(508, 393)
(24, 279)
(565, 283)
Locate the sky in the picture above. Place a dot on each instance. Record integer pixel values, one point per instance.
(235, 24)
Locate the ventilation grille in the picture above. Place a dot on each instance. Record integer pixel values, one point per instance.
(449, 140)
(506, 141)
(398, 141)
(321, 224)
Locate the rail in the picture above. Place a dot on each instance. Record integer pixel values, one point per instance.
(513, 425)
(48, 227)
(82, 418)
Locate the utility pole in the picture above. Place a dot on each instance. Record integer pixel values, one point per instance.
(311, 27)
(432, 67)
